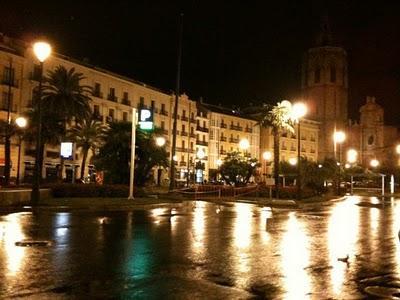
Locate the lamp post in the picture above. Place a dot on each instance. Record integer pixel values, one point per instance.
(160, 142)
(338, 138)
(267, 155)
(299, 110)
(21, 123)
(219, 163)
(244, 144)
(42, 51)
(200, 155)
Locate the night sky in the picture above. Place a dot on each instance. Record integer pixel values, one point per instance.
(234, 52)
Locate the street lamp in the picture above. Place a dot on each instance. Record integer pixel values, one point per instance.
(160, 142)
(42, 51)
(21, 123)
(374, 163)
(200, 155)
(267, 156)
(338, 138)
(299, 110)
(352, 156)
(293, 161)
(244, 144)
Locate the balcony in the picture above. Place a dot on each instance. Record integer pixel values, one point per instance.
(164, 112)
(126, 102)
(303, 138)
(184, 133)
(184, 118)
(193, 121)
(235, 127)
(181, 149)
(112, 98)
(292, 148)
(203, 129)
(233, 140)
(192, 135)
(13, 108)
(97, 94)
(182, 164)
(223, 125)
(223, 138)
(154, 109)
(312, 150)
(249, 130)
(8, 82)
(312, 139)
(164, 131)
(201, 143)
(222, 152)
(303, 149)
(284, 148)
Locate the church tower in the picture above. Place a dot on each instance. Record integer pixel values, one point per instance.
(325, 87)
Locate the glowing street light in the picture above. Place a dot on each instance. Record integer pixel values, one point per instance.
(219, 162)
(267, 156)
(352, 156)
(244, 144)
(160, 141)
(21, 123)
(398, 149)
(175, 158)
(42, 51)
(299, 110)
(200, 154)
(374, 163)
(293, 161)
(339, 137)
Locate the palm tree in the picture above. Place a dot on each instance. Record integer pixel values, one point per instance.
(88, 134)
(278, 117)
(66, 98)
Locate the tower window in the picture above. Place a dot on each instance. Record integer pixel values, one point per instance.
(317, 75)
(333, 74)
(371, 140)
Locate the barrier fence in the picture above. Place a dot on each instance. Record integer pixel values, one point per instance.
(218, 191)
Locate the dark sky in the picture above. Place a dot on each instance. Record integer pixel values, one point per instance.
(234, 52)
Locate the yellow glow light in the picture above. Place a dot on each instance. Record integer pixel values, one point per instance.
(42, 50)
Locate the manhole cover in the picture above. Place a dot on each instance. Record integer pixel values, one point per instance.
(33, 243)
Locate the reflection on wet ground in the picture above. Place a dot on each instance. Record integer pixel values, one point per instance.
(349, 249)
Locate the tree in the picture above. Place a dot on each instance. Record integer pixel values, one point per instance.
(237, 169)
(66, 98)
(278, 118)
(88, 134)
(114, 154)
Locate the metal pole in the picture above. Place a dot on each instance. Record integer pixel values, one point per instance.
(351, 185)
(19, 160)
(133, 145)
(35, 195)
(177, 91)
(383, 185)
(298, 162)
(7, 143)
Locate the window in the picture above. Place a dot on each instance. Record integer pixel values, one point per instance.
(97, 89)
(125, 116)
(183, 144)
(333, 74)
(211, 134)
(204, 124)
(192, 116)
(162, 125)
(184, 113)
(371, 140)
(317, 75)
(191, 145)
(152, 104)
(191, 130)
(163, 107)
(4, 103)
(183, 128)
(183, 158)
(112, 92)
(96, 110)
(204, 138)
(36, 72)
(111, 113)
(8, 75)
(141, 101)
(126, 96)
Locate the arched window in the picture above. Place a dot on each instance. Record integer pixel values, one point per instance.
(371, 140)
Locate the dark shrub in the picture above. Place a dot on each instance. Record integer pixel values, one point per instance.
(91, 191)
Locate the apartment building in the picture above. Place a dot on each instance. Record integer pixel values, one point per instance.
(227, 128)
(288, 144)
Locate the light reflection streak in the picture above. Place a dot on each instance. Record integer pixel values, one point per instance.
(242, 226)
(295, 258)
(342, 237)
(12, 232)
(265, 217)
(198, 226)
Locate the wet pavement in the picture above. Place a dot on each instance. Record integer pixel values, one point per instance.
(347, 250)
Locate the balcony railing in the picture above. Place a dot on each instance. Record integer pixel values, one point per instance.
(222, 152)
(9, 82)
(233, 140)
(184, 133)
(223, 138)
(163, 112)
(203, 129)
(249, 130)
(182, 164)
(184, 118)
(112, 98)
(201, 143)
(192, 135)
(235, 127)
(97, 94)
(223, 125)
(164, 131)
(181, 149)
(193, 120)
(126, 102)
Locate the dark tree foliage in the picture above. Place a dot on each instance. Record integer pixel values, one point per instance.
(115, 153)
(237, 169)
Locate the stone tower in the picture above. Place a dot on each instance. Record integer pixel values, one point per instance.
(372, 131)
(325, 87)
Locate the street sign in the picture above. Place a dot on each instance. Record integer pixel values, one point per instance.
(67, 150)
(146, 119)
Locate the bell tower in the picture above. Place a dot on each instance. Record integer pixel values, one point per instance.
(325, 87)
